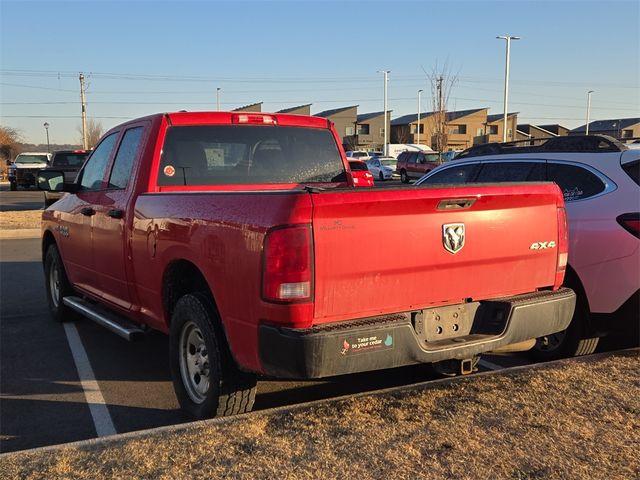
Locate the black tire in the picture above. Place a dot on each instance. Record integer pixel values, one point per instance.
(381, 177)
(57, 286)
(199, 353)
(568, 343)
(403, 176)
(13, 186)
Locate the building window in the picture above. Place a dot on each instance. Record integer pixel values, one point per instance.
(363, 129)
(492, 129)
(479, 132)
(627, 133)
(348, 131)
(382, 131)
(509, 133)
(414, 130)
(458, 129)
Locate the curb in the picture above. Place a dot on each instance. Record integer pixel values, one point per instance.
(20, 233)
(106, 440)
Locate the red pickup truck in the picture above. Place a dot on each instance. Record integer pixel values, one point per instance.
(234, 233)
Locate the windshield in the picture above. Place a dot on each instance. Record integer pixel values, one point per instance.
(247, 154)
(31, 158)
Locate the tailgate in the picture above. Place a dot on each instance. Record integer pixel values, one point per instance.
(382, 250)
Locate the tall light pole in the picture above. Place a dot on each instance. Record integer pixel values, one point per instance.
(419, 108)
(85, 143)
(588, 109)
(385, 148)
(46, 127)
(508, 38)
(218, 98)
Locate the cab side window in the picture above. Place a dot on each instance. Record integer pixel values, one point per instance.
(123, 163)
(575, 182)
(92, 175)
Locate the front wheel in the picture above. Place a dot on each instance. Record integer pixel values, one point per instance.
(381, 177)
(404, 177)
(57, 285)
(206, 379)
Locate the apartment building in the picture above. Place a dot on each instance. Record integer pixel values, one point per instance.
(622, 128)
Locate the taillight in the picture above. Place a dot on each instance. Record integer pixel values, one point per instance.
(254, 119)
(563, 247)
(287, 265)
(630, 222)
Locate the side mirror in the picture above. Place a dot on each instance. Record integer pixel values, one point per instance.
(50, 180)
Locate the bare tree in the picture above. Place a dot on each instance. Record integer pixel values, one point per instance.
(441, 82)
(9, 138)
(94, 132)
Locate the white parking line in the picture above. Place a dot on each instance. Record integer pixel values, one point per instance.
(491, 366)
(99, 411)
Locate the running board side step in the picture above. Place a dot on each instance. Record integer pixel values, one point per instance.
(118, 325)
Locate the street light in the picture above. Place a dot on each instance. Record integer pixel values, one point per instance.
(46, 127)
(419, 107)
(588, 109)
(508, 38)
(385, 148)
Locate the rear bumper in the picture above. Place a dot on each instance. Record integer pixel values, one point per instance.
(392, 341)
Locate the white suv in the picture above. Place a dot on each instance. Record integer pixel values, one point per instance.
(602, 196)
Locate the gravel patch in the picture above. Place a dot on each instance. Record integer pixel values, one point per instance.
(17, 220)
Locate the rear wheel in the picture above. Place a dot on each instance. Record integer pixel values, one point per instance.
(57, 285)
(206, 379)
(569, 342)
(403, 176)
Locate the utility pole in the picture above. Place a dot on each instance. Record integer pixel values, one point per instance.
(508, 38)
(419, 108)
(588, 109)
(218, 98)
(46, 127)
(385, 149)
(85, 145)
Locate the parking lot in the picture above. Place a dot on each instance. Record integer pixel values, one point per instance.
(73, 381)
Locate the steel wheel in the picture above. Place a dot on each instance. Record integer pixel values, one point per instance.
(194, 362)
(54, 284)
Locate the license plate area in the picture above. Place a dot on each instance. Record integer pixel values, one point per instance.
(444, 322)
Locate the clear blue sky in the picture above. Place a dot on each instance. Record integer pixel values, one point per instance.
(152, 56)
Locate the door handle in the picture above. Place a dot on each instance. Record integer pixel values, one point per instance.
(87, 211)
(115, 213)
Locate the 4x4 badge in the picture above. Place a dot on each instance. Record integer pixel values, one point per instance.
(453, 237)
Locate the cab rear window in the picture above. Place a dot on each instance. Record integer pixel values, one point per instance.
(249, 154)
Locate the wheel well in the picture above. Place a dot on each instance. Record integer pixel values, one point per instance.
(181, 277)
(47, 240)
(572, 281)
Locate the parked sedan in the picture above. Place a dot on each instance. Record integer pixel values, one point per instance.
(601, 191)
(382, 168)
(360, 173)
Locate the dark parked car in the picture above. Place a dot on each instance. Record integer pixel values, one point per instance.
(69, 162)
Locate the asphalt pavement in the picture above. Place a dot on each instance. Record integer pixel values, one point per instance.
(21, 199)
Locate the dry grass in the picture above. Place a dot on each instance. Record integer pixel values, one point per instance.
(571, 421)
(19, 220)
